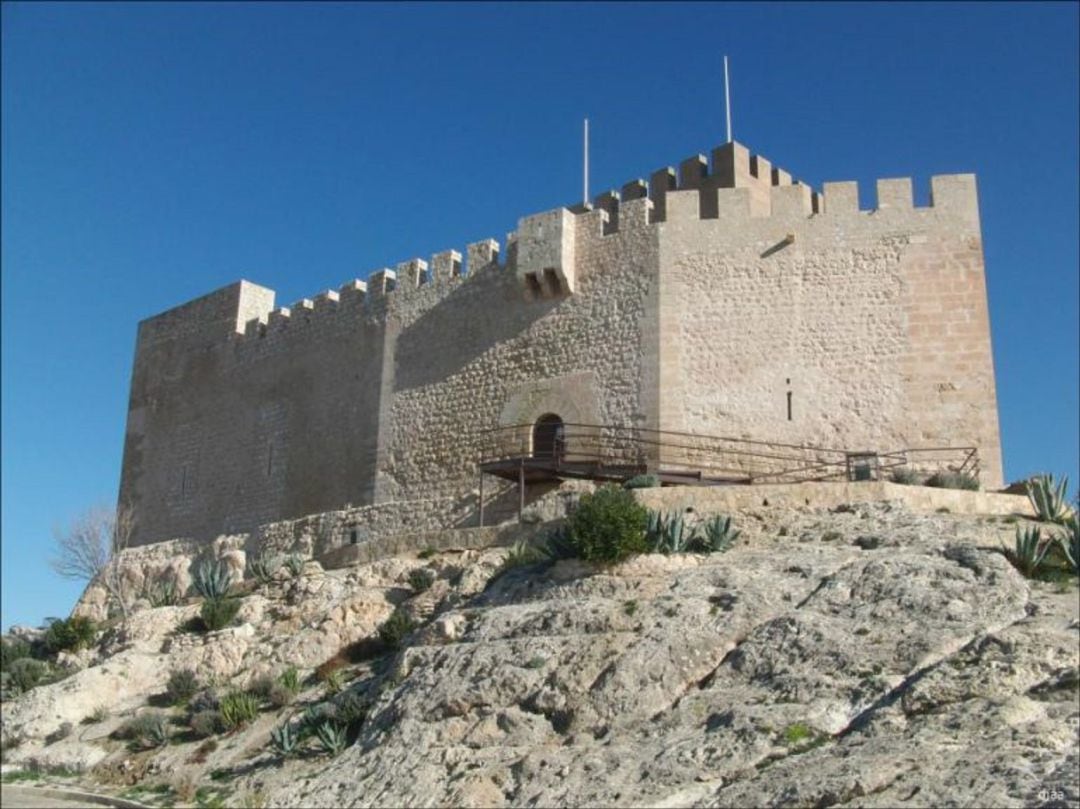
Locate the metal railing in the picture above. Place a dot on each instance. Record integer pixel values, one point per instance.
(709, 459)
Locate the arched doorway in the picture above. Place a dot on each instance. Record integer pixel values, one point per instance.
(548, 438)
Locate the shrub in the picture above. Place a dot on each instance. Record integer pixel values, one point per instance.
(608, 526)
(630, 607)
(642, 482)
(146, 730)
(62, 732)
(218, 613)
(205, 700)
(557, 544)
(207, 723)
(25, 673)
(797, 733)
(294, 563)
(426, 553)
(261, 686)
(285, 740)
(421, 579)
(325, 669)
(952, 480)
(334, 681)
(351, 710)
(238, 708)
(280, 696)
(99, 714)
(72, 634)
(907, 476)
(394, 629)
(1048, 499)
(182, 686)
(263, 567)
(1029, 552)
(718, 536)
(212, 580)
(12, 649)
(331, 737)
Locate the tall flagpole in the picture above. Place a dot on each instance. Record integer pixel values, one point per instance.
(585, 168)
(727, 99)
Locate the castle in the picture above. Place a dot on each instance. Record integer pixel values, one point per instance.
(719, 299)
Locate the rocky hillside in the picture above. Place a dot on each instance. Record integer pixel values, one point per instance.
(864, 655)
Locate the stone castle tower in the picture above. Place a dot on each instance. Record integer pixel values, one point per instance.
(722, 299)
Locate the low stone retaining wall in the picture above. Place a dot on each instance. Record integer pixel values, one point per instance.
(443, 540)
(829, 495)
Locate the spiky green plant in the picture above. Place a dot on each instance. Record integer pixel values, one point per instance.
(718, 536)
(162, 593)
(212, 580)
(1048, 498)
(285, 740)
(669, 532)
(239, 708)
(1070, 542)
(1029, 551)
(218, 613)
(263, 567)
(294, 563)
(290, 678)
(332, 737)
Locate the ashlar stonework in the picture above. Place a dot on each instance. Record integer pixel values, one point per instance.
(721, 298)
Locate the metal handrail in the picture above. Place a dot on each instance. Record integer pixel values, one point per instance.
(611, 445)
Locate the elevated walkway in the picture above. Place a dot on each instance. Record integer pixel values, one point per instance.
(530, 454)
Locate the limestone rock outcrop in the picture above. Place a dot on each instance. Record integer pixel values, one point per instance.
(864, 655)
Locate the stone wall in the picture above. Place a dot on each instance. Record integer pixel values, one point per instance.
(872, 324)
(236, 426)
(704, 301)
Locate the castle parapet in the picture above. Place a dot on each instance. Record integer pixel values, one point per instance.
(545, 253)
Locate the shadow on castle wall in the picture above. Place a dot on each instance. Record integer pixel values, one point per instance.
(476, 316)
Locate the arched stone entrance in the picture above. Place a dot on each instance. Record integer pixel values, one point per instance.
(548, 438)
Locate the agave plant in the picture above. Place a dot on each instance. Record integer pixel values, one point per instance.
(294, 562)
(669, 532)
(285, 740)
(1070, 542)
(1048, 499)
(212, 580)
(263, 567)
(162, 593)
(719, 536)
(332, 737)
(1029, 552)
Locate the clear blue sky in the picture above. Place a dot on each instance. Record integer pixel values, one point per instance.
(152, 153)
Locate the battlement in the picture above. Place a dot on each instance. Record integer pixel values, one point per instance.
(730, 186)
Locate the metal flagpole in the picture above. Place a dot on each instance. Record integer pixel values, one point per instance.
(727, 99)
(585, 171)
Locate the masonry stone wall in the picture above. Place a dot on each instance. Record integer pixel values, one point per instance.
(701, 301)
